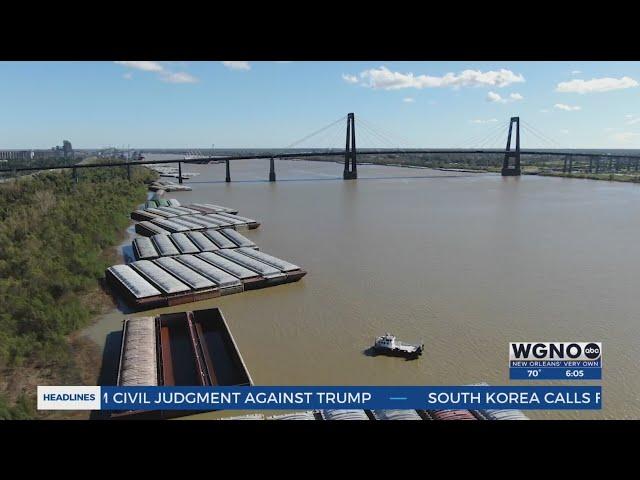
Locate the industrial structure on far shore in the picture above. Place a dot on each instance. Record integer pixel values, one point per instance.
(65, 151)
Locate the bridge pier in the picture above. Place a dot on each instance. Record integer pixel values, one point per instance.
(75, 175)
(227, 177)
(610, 165)
(507, 170)
(272, 170)
(636, 165)
(598, 165)
(570, 165)
(180, 172)
(590, 164)
(564, 166)
(350, 165)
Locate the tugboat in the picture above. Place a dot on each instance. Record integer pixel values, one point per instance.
(388, 345)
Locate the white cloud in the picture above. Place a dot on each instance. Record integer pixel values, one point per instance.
(178, 77)
(482, 121)
(596, 85)
(567, 108)
(632, 119)
(564, 131)
(624, 137)
(544, 110)
(155, 67)
(144, 66)
(576, 72)
(497, 98)
(408, 99)
(237, 65)
(383, 78)
(349, 78)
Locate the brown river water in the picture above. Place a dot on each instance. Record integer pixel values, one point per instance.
(463, 262)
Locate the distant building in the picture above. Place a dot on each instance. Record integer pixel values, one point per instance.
(67, 148)
(6, 155)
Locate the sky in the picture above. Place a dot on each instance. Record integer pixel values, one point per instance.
(235, 104)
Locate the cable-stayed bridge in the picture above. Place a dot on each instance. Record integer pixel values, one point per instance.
(373, 140)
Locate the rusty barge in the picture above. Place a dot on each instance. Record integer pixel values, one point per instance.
(194, 348)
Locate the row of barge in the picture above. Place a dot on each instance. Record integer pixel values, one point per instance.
(195, 222)
(186, 278)
(404, 415)
(169, 216)
(161, 245)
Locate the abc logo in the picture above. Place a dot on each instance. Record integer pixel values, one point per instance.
(592, 351)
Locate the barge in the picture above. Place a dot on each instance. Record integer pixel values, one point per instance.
(395, 415)
(178, 279)
(147, 229)
(179, 349)
(163, 245)
(451, 414)
(344, 415)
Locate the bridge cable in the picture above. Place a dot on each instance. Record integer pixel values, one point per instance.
(539, 132)
(478, 141)
(330, 140)
(472, 139)
(393, 137)
(545, 142)
(383, 137)
(377, 137)
(489, 141)
(533, 129)
(477, 138)
(320, 130)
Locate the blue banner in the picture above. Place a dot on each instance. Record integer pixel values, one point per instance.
(524, 397)
(554, 373)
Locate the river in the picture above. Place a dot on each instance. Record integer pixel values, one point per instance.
(464, 262)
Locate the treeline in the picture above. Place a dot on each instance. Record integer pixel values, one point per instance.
(46, 162)
(53, 237)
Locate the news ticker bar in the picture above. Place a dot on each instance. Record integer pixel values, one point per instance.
(526, 397)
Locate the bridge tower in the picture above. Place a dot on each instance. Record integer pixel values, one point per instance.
(507, 170)
(350, 165)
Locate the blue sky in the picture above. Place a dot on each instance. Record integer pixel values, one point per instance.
(273, 104)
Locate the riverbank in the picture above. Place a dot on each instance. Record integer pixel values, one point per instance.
(610, 177)
(494, 167)
(57, 237)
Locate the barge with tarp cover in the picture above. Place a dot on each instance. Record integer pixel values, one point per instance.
(179, 349)
(178, 279)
